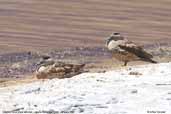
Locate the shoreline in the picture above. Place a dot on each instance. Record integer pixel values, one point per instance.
(21, 65)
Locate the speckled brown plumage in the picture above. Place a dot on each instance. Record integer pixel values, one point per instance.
(126, 51)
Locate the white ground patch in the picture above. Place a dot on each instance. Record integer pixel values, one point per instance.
(113, 92)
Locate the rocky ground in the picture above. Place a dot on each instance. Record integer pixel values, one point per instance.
(15, 65)
(97, 59)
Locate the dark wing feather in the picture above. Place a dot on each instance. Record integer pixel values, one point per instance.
(137, 50)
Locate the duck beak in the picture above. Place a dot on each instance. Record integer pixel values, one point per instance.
(107, 41)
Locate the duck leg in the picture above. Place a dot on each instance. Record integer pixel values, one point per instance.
(125, 63)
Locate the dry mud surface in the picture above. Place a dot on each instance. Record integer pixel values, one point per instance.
(23, 64)
(76, 31)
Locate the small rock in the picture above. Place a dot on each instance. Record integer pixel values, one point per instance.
(134, 91)
(102, 71)
(169, 99)
(81, 110)
(135, 73)
(35, 105)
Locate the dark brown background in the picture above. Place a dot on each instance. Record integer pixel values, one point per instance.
(45, 24)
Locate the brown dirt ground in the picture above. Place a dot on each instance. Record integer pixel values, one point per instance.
(103, 66)
(41, 25)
